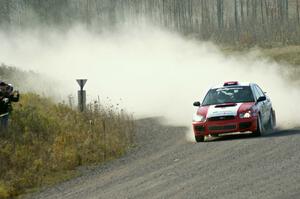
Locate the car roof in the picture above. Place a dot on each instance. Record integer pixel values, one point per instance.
(233, 85)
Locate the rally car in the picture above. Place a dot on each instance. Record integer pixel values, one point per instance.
(233, 107)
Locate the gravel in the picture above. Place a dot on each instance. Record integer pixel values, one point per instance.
(165, 165)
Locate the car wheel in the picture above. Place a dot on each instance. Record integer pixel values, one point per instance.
(260, 129)
(199, 138)
(272, 122)
(214, 135)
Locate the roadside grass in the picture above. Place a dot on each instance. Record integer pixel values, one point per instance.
(281, 54)
(288, 56)
(29, 81)
(47, 141)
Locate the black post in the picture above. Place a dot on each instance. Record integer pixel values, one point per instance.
(81, 95)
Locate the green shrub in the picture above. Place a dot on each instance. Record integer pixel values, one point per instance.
(46, 139)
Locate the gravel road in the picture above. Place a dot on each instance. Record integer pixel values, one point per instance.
(165, 165)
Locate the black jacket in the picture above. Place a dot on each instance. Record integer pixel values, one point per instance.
(5, 103)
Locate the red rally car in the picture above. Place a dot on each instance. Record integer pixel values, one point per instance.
(232, 108)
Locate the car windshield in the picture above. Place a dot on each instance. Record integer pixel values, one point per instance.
(223, 95)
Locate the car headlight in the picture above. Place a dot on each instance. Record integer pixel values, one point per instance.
(246, 114)
(198, 118)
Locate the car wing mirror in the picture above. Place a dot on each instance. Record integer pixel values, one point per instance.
(261, 99)
(196, 104)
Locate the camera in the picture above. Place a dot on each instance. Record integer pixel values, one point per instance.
(9, 88)
(6, 89)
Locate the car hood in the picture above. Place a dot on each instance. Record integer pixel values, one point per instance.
(228, 109)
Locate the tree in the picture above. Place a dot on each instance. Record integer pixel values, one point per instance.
(297, 12)
(220, 14)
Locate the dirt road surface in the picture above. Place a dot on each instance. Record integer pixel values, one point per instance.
(165, 165)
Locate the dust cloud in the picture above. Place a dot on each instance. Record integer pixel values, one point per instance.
(150, 71)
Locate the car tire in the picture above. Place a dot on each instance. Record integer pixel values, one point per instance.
(199, 138)
(272, 122)
(214, 135)
(260, 128)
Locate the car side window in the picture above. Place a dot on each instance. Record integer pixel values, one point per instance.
(261, 93)
(255, 91)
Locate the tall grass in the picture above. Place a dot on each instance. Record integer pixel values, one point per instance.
(46, 141)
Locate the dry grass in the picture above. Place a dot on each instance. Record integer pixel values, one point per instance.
(287, 56)
(46, 140)
(283, 54)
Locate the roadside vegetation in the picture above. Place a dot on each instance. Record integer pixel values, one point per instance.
(282, 54)
(46, 142)
(29, 81)
(287, 56)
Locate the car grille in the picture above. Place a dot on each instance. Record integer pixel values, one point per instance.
(219, 128)
(245, 125)
(221, 118)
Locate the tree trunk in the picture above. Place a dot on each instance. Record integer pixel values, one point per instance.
(248, 8)
(236, 16)
(242, 11)
(8, 11)
(267, 12)
(287, 10)
(262, 13)
(220, 13)
(298, 16)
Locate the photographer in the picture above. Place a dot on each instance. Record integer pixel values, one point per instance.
(7, 96)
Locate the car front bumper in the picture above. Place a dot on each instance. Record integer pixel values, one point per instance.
(225, 126)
